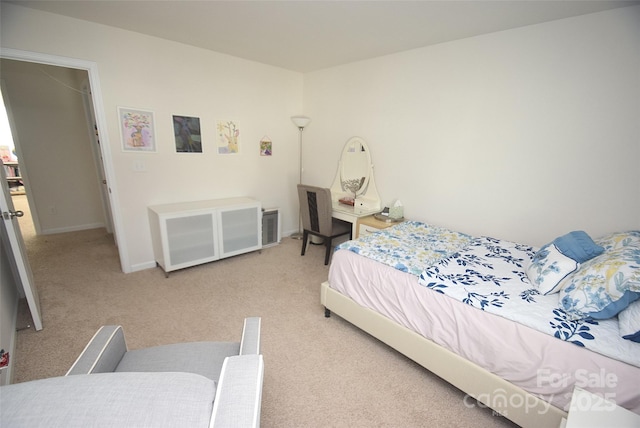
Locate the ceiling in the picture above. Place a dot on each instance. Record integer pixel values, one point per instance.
(310, 35)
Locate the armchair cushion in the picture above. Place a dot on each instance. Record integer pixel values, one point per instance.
(110, 400)
(203, 358)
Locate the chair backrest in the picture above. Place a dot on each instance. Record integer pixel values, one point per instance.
(315, 209)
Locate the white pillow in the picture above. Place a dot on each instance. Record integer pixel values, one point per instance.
(549, 268)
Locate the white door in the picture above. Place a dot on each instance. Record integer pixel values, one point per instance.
(16, 251)
(97, 154)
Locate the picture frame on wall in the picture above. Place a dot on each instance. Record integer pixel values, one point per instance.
(266, 146)
(137, 128)
(188, 137)
(228, 141)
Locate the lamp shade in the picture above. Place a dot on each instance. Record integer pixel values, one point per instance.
(300, 121)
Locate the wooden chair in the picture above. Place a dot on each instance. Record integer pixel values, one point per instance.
(315, 209)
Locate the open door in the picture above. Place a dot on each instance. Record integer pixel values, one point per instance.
(97, 155)
(12, 239)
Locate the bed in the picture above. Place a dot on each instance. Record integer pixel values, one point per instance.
(502, 321)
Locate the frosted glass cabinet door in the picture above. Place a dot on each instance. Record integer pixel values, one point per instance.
(240, 230)
(191, 239)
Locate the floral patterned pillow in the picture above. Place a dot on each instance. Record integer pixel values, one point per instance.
(615, 241)
(604, 285)
(557, 260)
(548, 268)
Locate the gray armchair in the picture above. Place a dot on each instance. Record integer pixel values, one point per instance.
(208, 384)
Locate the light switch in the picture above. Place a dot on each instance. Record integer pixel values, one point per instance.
(139, 166)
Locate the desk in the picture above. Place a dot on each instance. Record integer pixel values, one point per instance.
(351, 215)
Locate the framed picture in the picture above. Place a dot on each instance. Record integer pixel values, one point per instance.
(228, 137)
(186, 131)
(266, 148)
(137, 128)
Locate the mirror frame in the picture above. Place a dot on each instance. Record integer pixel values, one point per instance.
(348, 167)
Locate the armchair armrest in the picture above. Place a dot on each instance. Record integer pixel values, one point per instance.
(250, 342)
(239, 393)
(103, 352)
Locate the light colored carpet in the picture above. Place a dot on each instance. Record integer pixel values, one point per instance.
(319, 372)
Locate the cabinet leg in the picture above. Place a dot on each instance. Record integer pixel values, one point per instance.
(166, 274)
(327, 313)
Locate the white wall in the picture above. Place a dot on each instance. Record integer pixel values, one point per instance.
(522, 134)
(170, 78)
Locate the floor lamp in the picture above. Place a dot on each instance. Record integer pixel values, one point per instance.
(300, 122)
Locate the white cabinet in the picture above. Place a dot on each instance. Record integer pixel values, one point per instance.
(191, 233)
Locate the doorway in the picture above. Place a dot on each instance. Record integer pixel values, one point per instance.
(55, 158)
(100, 159)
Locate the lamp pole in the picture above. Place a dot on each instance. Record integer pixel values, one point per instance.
(301, 128)
(300, 122)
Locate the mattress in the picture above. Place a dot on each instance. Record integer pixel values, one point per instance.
(532, 360)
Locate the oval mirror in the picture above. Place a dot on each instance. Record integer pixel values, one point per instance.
(356, 166)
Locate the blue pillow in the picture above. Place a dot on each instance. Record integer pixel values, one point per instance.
(578, 246)
(557, 260)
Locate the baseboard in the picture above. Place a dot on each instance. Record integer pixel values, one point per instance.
(72, 228)
(142, 266)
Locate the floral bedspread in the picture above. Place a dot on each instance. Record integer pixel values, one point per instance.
(489, 274)
(409, 246)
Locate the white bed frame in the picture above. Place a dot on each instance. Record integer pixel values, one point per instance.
(503, 397)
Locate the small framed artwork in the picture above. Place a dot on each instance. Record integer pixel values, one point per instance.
(266, 148)
(186, 131)
(228, 137)
(137, 128)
